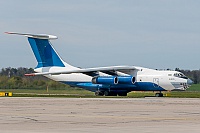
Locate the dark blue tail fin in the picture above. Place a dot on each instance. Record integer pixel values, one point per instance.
(44, 52)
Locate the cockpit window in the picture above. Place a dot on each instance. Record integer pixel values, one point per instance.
(180, 75)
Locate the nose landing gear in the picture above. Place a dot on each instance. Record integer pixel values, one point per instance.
(159, 94)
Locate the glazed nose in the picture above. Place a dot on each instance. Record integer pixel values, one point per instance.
(189, 82)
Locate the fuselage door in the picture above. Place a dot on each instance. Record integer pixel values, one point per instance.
(156, 82)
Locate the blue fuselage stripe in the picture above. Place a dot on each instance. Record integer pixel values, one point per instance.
(138, 86)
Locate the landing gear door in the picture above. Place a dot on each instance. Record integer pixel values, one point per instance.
(156, 82)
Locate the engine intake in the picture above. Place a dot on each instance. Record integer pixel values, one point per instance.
(110, 80)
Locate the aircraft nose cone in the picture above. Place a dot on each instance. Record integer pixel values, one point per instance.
(189, 82)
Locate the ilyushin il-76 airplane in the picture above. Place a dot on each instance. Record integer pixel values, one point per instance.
(108, 81)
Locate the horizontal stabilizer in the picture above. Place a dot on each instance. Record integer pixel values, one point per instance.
(38, 36)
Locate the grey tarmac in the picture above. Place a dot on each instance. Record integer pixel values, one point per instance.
(97, 115)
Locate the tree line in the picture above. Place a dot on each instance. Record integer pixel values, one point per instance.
(13, 78)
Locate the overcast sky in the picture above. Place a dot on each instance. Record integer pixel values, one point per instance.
(149, 33)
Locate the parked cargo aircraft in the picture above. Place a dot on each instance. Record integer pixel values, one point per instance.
(108, 81)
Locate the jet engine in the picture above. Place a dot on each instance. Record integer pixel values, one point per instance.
(110, 80)
(126, 80)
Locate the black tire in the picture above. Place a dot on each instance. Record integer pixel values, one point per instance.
(98, 93)
(159, 95)
(106, 93)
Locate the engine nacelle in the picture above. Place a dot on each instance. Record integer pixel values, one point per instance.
(126, 79)
(109, 80)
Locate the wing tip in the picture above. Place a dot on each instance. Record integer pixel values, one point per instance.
(31, 74)
(8, 32)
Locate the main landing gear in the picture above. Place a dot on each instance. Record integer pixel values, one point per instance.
(99, 93)
(107, 93)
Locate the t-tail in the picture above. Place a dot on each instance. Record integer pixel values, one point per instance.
(44, 52)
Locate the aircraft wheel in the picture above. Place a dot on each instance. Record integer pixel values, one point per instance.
(106, 93)
(98, 93)
(159, 94)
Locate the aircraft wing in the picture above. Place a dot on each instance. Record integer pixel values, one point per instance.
(111, 69)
